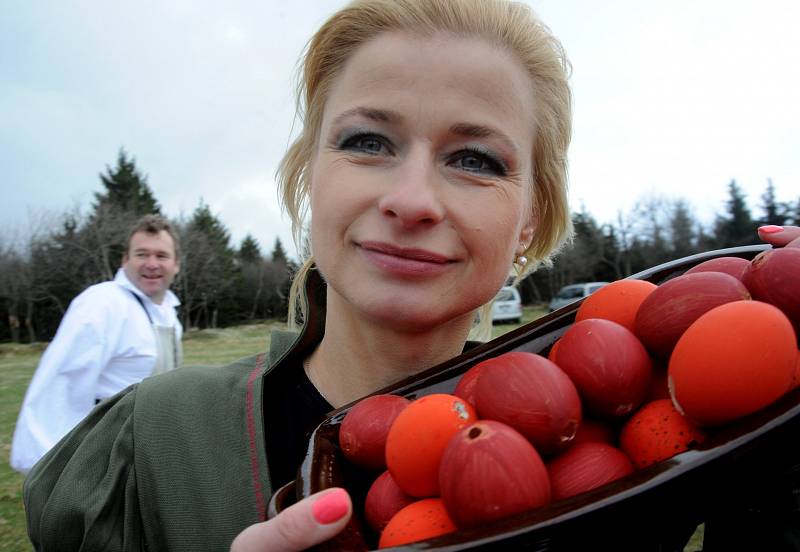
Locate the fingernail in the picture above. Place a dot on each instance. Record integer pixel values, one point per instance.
(770, 229)
(331, 507)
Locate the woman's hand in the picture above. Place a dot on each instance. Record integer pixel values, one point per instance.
(780, 236)
(311, 521)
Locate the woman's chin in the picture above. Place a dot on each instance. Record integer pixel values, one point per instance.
(409, 318)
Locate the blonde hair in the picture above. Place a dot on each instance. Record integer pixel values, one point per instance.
(508, 24)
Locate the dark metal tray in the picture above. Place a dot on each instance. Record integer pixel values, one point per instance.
(646, 510)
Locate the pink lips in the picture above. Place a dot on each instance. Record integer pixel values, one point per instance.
(404, 261)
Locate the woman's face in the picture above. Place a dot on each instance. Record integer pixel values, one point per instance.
(421, 182)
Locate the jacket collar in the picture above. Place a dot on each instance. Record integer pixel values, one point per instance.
(291, 347)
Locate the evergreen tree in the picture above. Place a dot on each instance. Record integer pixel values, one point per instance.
(126, 190)
(125, 198)
(282, 269)
(250, 291)
(208, 224)
(681, 223)
(279, 253)
(774, 212)
(581, 260)
(249, 250)
(736, 227)
(209, 277)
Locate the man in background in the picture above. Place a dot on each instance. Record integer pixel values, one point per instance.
(113, 334)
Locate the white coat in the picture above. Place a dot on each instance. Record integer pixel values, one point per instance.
(105, 343)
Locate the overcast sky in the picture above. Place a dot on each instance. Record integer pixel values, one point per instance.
(672, 99)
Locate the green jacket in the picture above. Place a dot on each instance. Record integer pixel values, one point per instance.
(174, 463)
(177, 462)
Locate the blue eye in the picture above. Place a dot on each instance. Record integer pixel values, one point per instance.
(480, 162)
(371, 144)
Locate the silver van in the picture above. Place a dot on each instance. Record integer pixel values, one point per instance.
(507, 306)
(570, 294)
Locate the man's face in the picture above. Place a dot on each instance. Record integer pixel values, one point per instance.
(150, 263)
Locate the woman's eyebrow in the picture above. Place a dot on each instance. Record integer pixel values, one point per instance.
(378, 115)
(479, 131)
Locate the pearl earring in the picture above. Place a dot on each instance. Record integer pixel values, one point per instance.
(522, 260)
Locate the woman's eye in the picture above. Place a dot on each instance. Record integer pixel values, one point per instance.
(481, 163)
(365, 143)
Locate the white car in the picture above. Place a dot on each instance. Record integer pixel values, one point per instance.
(570, 294)
(507, 306)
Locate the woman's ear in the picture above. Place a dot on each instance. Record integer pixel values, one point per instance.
(526, 237)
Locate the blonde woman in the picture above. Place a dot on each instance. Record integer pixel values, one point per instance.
(432, 161)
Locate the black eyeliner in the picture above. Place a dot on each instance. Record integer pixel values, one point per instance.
(499, 164)
(347, 134)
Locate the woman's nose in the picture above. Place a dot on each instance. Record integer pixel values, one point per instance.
(412, 197)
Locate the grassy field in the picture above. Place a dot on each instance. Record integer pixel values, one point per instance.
(18, 362)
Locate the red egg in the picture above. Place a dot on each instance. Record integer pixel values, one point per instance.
(489, 471)
(666, 313)
(735, 266)
(384, 500)
(465, 388)
(531, 394)
(586, 466)
(774, 277)
(363, 432)
(608, 364)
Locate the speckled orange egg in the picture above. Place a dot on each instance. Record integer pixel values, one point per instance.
(618, 301)
(735, 359)
(417, 439)
(657, 431)
(420, 520)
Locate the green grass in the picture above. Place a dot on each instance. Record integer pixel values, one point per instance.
(206, 347)
(17, 363)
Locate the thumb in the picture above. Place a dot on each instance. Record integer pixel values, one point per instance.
(311, 521)
(780, 236)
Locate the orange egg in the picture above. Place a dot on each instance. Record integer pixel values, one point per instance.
(551, 356)
(420, 520)
(657, 431)
(418, 437)
(617, 301)
(735, 359)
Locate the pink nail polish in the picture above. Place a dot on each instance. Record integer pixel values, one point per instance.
(770, 229)
(331, 507)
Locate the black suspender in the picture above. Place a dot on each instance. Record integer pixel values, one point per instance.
(139, 300)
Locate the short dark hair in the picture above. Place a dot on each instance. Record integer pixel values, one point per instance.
(153, 224)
